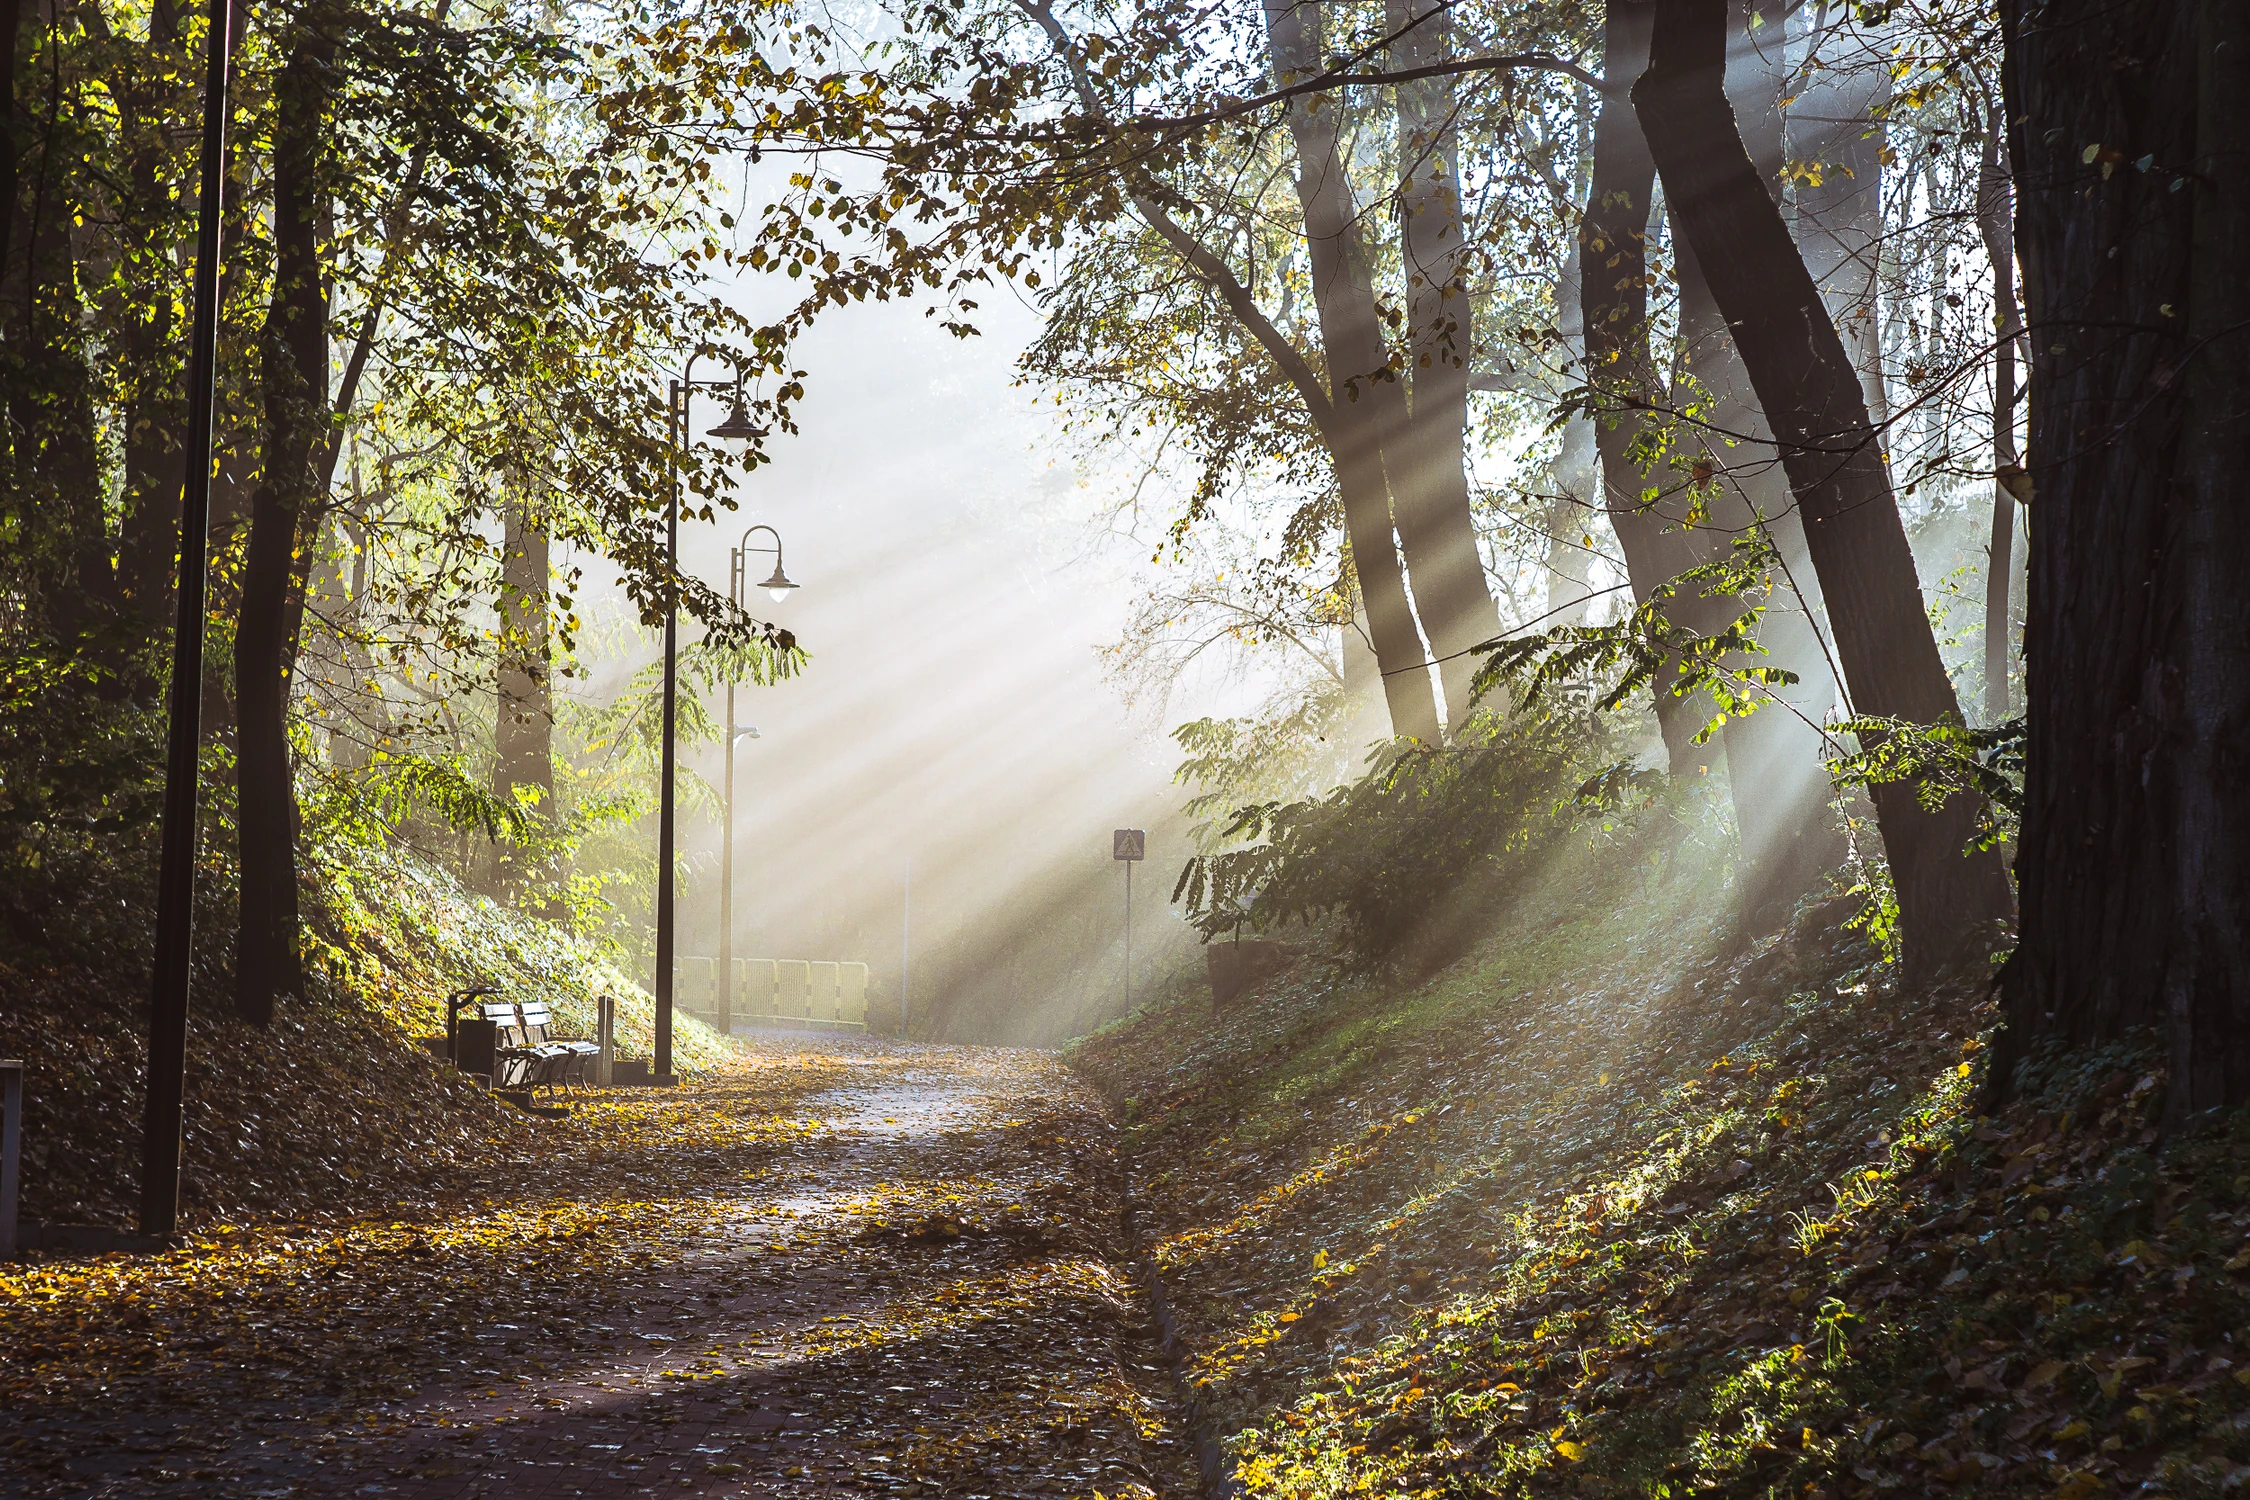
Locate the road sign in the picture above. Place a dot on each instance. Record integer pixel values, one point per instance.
(1128, 843)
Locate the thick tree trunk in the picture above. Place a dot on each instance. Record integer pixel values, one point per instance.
(1995, 216)
(1810, 391)
(2135, 855)
(1429, 471)
(1613, 283)
(295, 377)
(1352, 338)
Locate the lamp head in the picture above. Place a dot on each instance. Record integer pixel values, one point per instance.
(737, 428)
(777, 587)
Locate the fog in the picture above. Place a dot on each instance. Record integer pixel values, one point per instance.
(957, 582)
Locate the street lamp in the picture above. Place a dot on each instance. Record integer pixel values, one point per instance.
(778, 587)
(736, 428)
(175, 879)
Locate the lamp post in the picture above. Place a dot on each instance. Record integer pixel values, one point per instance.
(175, 880)
(777, 588)
(736, 428)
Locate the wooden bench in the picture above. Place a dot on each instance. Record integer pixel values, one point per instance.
(527, 1057)
(513, 1046)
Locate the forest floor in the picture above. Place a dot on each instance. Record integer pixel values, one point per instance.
(833, 1267)
(1624, 1204)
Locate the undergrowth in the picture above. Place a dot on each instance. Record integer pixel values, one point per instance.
(337, 1104)
(1619, 1205)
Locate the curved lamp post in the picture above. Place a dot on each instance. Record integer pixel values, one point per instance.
(777, 588)
(736, 428)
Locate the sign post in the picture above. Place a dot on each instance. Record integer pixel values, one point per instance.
(1129, 846)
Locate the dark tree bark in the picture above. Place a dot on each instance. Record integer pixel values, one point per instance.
(1776, 765)
(150, 362)
(1429, 471)
(1352, 338)
(1620, 369)
(11, 144)
(1995, 216)
(52, 419)
(1811, 394)
(295, 376)
(2135, 855)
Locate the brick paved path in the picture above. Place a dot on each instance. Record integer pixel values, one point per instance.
(911, 1285)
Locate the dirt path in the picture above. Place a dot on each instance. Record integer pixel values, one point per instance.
(846, 1268)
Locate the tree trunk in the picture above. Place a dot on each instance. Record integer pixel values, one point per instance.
(1811, 394)
(1613, 284)
(1835, 123)
(524, 728)
(1429, 471)
(1352, 338)
(1776, 766)
(1995, 213)
(2135, 854)
(1363, 690)
(1573, 479)
(295, 377)
(50, 391)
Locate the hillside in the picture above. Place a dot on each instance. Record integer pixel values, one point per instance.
(1615, 1206)
(337, 1105)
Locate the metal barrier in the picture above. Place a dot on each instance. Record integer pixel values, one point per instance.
(819, 994)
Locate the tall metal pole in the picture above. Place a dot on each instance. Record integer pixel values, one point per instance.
(905, 945)
(175, 881)
(664, 822)
(1128, 937)
(726, 850)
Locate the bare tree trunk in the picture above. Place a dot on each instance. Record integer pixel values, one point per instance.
(1995, 216)
(1810, 390)
(1352, 337)
(1429, 472)
(1613, 281)
(1835, 122)
(1364, 714)
(295, 377)
(1574, 479)
(2135, 853)
(1776, 765)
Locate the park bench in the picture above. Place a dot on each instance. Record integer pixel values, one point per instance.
(528, 1057)
(522, 1055)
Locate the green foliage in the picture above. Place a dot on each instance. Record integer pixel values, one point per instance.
(1647, 649)
(1943, 761)
(1237, 762)
(1398, 854)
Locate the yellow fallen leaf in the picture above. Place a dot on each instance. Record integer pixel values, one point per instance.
(2044, 1375)
(1320, 1260)
(1572, 1451)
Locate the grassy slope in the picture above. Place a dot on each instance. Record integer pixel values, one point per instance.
(1603, 1210)
(336, 1106)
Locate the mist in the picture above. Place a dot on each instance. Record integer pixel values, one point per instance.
(957, 583)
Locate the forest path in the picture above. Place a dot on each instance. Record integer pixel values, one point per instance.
(848, 1267)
